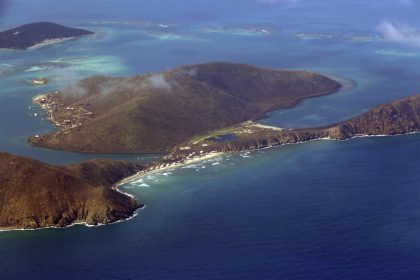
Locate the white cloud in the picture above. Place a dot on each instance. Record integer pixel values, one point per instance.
(399, 33)
(189, 72)
(68, 79)
(112, 86)
(158, 81)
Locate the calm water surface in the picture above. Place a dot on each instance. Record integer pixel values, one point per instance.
(320, 210)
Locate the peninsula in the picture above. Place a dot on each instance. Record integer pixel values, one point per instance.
(38, 33)
(398, 117)
(189, 112)
(157, 112)
(36, 195)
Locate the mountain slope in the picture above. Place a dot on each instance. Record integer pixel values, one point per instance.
(34, 194)
(397, 117)
(155, 112)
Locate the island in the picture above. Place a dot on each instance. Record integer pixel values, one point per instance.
(37, 195)
(153, 113)
(189, 113)
(38, 34)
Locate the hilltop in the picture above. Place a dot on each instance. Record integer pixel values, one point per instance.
(397, 117)
(156, 112)
(32, 34)
(34, 194)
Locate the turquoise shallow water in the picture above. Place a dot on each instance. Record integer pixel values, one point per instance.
(320, 210)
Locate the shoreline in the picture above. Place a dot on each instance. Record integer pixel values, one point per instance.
(174, 160)
(135, 214)
(42, 44)
(177, 165)
(204, 157)
(172, 166)
(115, 187)
(36, 101)
(347, 84)
(54, 139)
(49, 42)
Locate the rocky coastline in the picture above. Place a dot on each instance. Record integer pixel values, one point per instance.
(394, 118)
(38, 195)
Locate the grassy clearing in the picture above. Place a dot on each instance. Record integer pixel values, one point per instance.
(215, 133)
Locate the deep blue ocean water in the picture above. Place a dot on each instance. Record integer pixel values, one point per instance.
(319, 210)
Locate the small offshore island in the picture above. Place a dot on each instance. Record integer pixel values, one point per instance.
(38, 34)
(187, 113)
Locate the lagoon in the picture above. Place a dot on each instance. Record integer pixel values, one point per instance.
(319, 210)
